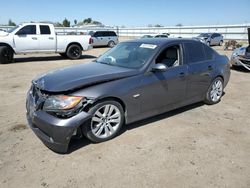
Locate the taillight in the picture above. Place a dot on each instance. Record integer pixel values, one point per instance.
(91, 40)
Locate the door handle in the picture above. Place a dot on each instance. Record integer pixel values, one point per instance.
(210, 67)
(51, 38)
(34, 38)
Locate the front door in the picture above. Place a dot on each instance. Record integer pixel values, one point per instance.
(165, 90)
(26, 39)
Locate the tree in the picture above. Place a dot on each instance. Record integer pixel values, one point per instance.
(158, 25)
(58, 24)
(11, 23)
(66, 23)
(179, 25)
(87, 20)
(96, 23)
(75, 21)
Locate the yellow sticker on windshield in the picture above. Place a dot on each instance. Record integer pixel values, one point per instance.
(150, 46)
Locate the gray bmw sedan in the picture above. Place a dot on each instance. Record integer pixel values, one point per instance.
(132, 81)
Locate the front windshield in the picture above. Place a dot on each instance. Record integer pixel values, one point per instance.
(128, 54)
(12, 29)
(204, 35)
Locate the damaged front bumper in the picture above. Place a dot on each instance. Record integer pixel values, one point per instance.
(241, 61)
(54, 132)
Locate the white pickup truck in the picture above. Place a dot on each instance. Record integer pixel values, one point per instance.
(41, 37)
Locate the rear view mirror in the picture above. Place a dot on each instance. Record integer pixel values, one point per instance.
(159, 67)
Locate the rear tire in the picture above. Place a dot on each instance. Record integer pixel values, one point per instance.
(106, 121)
(208, 43)
(220, 43)
(6, 54)
(111, 44)
(74, 51)
(215, 91)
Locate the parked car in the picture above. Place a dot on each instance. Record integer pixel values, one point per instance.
(210, 38)
(132, 81)
(104, 38)
(163, 35)
(241, 56)
(41, 37)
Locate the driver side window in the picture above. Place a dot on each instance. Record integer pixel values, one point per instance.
(170, 56)
(27, 30)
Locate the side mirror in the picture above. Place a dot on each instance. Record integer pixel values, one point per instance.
(159, 67)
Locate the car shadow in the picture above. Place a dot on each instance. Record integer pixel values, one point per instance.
(161, 117)
(46, 58)
(101, 47)
(76, 144)
(240, 69)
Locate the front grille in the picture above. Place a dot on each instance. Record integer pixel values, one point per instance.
(38, 97)
(246, 62)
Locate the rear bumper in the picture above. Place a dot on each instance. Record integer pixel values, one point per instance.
(54, 132)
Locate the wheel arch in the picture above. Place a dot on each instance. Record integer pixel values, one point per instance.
(74, 43)
(117, 99)
(6, 44)
(114, 98)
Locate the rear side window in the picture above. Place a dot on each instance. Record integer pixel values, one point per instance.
(210, 53)
(104, 34)
(195, 52)
(27, 30)
(44, 30)
(112, 33)
(98, 34)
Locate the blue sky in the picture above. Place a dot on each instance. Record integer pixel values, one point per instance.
(129, 12)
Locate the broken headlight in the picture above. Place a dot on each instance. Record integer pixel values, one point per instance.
(61, 102)
(63, 106)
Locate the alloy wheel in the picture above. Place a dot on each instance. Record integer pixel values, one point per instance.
(106, 121)
(75, 51)
(216, 91)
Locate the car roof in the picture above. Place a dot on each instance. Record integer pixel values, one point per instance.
(162, 41)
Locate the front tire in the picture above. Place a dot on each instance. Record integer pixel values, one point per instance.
(106, 122)
(220, 43)
(215, 91)
(6, 54)
(74, 51)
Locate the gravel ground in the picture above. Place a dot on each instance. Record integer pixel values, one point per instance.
(195, 146)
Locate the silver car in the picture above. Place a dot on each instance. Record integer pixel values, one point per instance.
(104, 38)
(241, 56)
(210, 38)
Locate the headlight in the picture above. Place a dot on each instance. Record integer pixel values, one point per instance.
(61, 102)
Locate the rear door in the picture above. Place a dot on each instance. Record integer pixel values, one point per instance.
(98, 38)
(47, 39)
(26, 39)
(199, 70)
(215, 39)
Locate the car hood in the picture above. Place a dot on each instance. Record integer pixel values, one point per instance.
(79, 76)
(3, 33)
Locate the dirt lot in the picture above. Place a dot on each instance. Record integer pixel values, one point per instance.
(196, 146)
